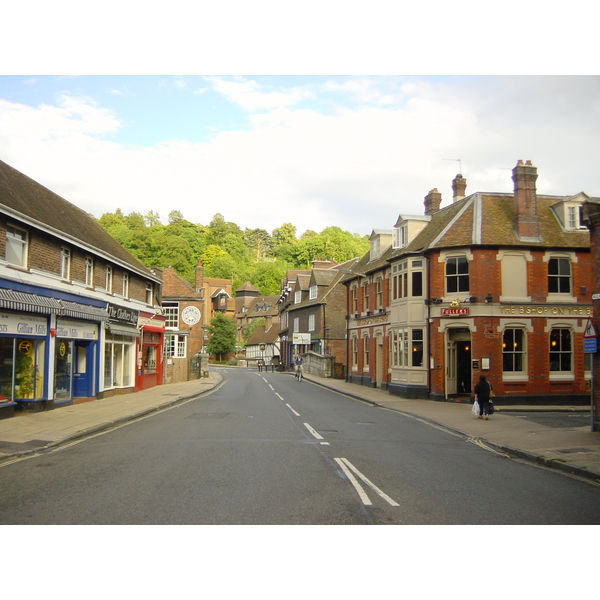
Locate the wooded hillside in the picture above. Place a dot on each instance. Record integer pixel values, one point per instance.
(226, 250)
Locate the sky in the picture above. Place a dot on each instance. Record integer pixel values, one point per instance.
(315, 151)
(262, 130)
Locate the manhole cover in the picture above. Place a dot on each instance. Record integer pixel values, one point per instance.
(573, 450)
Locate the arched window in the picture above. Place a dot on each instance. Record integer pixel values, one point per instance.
(560, 349)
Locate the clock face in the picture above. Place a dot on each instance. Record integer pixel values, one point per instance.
(190, 315)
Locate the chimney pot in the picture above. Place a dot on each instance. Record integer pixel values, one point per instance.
(459, 188)
(432, 201)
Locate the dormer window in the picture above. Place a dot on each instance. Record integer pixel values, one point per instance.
(312, 293)
(569, 212)
(298, 297)
(375, 248)
(400, 236)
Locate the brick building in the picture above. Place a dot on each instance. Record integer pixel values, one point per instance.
(313, 307)
(493, 284)
(188, 310)
(368, 320)
(78, 313)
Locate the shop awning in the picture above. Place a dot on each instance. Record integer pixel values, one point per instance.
(29, 302)
(123, 330)
(44, 305)
(83, 311)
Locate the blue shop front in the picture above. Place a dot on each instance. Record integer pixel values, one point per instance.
(49, 352)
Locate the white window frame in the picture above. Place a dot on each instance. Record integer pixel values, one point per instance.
(366, 354)
(311, 322)
(561, 374)
(89, 271)
(17, 241)
(125, 285)
(149, 293)
(109, 279)
(65, 263)
(298, 297)
(312, 292)
(176, 345)
(171, 313)
(457, 277)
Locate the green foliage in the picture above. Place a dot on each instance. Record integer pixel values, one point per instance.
(222, 335)
(226, 251)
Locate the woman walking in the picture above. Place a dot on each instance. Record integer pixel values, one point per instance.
(482, 395)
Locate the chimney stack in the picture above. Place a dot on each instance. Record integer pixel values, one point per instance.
(199, 275)
(526, 221)
(459, 188)
(432, 201)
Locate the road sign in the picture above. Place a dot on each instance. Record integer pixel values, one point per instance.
(590, 346)
(589, 332)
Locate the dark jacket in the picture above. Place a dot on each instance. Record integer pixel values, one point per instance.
(482, 391)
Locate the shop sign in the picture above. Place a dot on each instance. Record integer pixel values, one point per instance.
(301, 338)
(120, 314)
(454, 311)
(23, 324)
(547, 310)
(76, 330)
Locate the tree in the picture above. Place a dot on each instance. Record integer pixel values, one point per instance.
(222, 335)
(258, 241)
(152, 218)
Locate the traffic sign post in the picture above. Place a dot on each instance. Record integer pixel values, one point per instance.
(590, 346)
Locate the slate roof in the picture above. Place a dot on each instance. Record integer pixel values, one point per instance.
(365, 265)
(260, 336)
(487, 220)
(174, 286)
(30, 202)
(269, 301)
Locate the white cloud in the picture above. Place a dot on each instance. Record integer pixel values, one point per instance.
(250, 95)
(357, 169)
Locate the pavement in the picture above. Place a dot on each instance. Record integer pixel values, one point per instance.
(568, 447)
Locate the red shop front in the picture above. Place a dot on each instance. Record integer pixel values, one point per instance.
(149, 371)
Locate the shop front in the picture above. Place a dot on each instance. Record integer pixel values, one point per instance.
(150, 352)
(121, 339)
(75, 361)
(23, 347)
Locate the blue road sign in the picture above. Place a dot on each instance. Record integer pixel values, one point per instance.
(589, 345)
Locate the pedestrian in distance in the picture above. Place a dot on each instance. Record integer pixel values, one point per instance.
(261, 364)
(299, 371)
(483, 392)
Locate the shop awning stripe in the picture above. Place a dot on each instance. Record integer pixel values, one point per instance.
(22, 301)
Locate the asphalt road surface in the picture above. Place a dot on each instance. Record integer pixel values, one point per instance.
(266, 449)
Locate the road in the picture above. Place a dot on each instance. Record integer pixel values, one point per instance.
(266, 449)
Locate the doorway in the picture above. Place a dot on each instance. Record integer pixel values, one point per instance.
(458, 362)
(83, 369)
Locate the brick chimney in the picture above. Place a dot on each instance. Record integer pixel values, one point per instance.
(526, 220)
(323, 263)
(459, 188)
(432, 201)
(199, 275)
